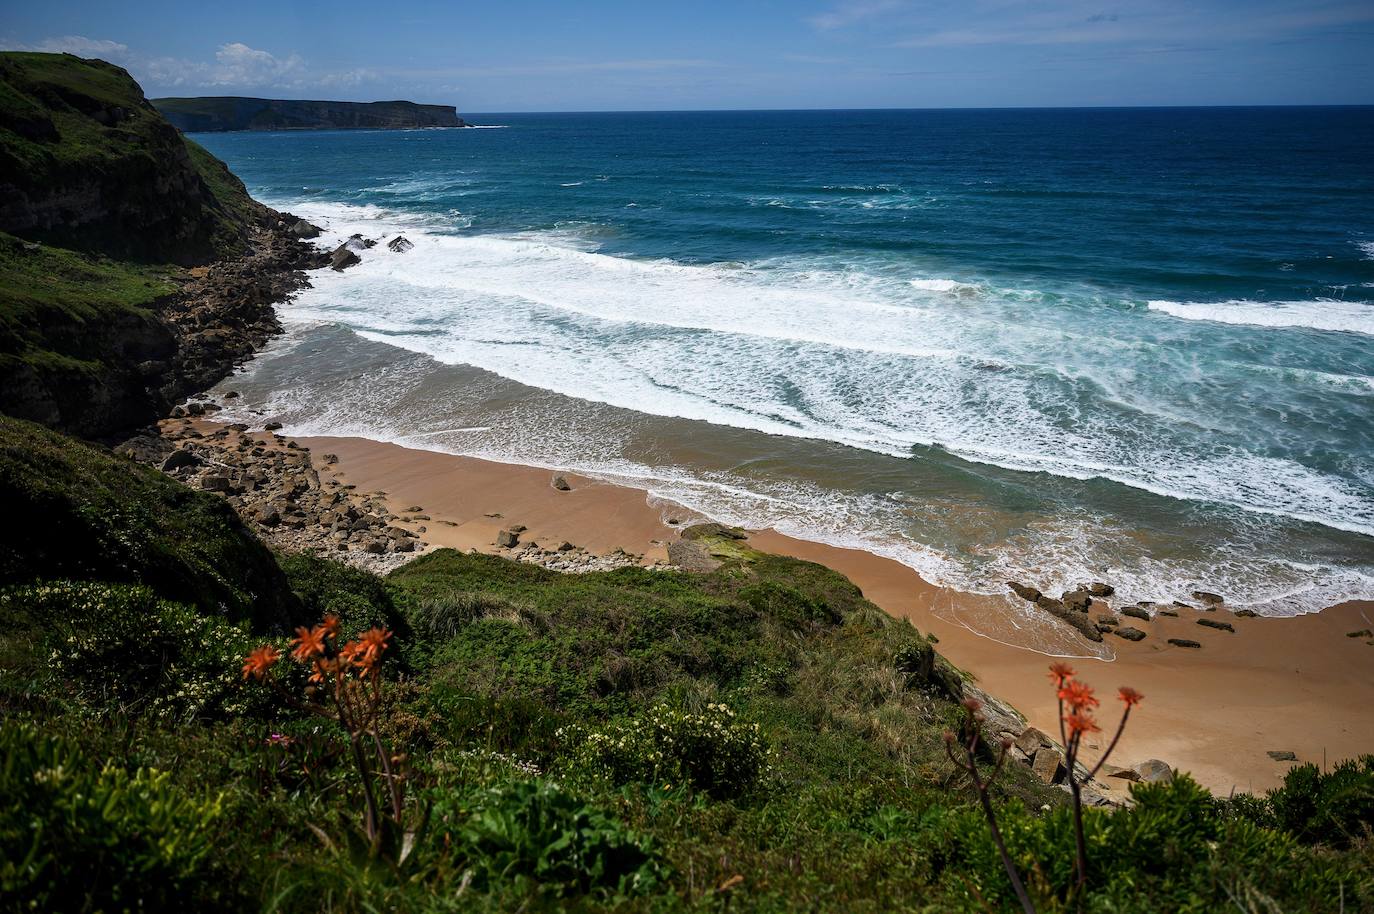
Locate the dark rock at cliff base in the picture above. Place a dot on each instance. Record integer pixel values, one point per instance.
(1246, 613)
(1211, 599)
(711, 528)
(400, 244)
(1282, 755)
(1184, 642)
(1077, 600)
(1219, 626)
(561, 484)
(178, 459)
(1098, 589)
(302, 229)
(1136, 612)
(1024, 591)
(343, 258)
(507, 539)
(1130, 634)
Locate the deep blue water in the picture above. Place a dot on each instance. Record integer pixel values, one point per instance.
(988, 342)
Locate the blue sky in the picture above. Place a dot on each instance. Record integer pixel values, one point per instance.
(540, 55)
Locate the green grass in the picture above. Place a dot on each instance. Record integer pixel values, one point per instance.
(501, 676)
(79, 512)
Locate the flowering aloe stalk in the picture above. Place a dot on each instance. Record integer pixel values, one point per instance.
(349, 677)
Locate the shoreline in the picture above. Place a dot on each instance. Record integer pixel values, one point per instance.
(1215, 712)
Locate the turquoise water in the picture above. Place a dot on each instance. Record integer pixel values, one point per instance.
(1046, 344)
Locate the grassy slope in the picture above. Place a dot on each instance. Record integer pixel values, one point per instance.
(77, 511)
(496, 664)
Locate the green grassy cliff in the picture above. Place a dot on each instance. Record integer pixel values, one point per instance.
(89, 164)
(101, 202)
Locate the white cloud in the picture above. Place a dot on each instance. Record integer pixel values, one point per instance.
(851, 12)
(79, 45)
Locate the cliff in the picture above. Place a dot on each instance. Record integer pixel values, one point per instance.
(87, 163)
(102, 205)
(236, 113)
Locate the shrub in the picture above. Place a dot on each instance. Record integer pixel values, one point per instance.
(1334, 808)
(709, 751)
(540, 836)
(75, 837)
(120, 644)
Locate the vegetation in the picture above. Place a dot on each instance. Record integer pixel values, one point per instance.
(761, 737)
(91, 165)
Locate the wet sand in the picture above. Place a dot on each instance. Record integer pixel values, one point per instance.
(1295, 684)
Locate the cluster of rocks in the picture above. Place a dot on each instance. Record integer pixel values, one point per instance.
(276, 488)
(564, 557)
(1045, 757)
(347, 254)
(1073, 607)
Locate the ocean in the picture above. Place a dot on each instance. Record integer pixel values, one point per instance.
(1131, 345)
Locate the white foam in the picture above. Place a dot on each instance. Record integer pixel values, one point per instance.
(832, 353)
(951, 286)
(1367, 247)
(1322, 314)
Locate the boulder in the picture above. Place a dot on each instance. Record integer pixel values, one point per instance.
(1283, 755)
(302, 229)
(1031, 740)
(1184, 642)
(1050, 604)
(1077, 600)
(1129, 633)
(400, 244)
(711, 528)
(507, 539)
(1125, 774)
(690, 555)
(1219, 626)
(566, 546)
(1153, 771)
(343, 258)
(195, 409)
(214, 482)
(1106, 619)
(1098, 589)
(272, 426)
(1048, 764)
(179, 458)
(1210, 599)
(1136, 612)
(1024, 591)
(1246, 613)
(561, 484)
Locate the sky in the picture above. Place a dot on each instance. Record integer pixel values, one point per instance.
(556, 55)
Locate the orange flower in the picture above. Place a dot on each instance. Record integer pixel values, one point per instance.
(1078, 695)
(329, 627)
(1130, 696)
(259, 661)
(1060, 673)
(322, 669)
(308, 643)
(374, 640)
(1080, 722)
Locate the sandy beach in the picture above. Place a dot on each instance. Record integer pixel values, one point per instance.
(1295, 684)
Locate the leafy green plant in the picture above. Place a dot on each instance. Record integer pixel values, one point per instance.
(710, 750)
(75, 836)
(547, 840)
(120, 645)
(1335, 808)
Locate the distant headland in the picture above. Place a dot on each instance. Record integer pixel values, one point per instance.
(229, 112)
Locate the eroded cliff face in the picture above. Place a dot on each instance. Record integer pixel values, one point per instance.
(103, 208)
(239, 113)
(87, 163)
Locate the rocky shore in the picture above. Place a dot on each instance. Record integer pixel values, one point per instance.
(296, 502)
